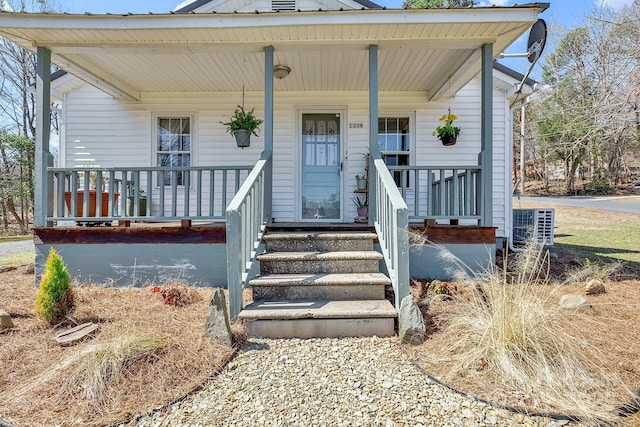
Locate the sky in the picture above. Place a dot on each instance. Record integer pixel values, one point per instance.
(562, 14)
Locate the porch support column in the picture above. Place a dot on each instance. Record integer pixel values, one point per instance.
(486, 142)
(43, 197)
(268, 99)
(374, 152)
(268, 130)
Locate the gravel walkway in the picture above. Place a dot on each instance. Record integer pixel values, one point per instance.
(329, 382)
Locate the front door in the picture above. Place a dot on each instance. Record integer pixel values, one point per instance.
(321, 160)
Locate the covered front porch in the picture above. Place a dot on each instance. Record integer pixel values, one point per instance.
(222, 213)
(415, 60)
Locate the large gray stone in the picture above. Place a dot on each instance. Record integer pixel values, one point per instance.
(574, 301)
(5, 321)
(594, 287)
(217, 325)
(412, 329)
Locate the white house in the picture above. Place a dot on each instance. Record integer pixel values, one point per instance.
(143, 98)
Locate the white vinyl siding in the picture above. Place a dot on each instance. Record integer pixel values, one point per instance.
(121, 134)
(115, 134)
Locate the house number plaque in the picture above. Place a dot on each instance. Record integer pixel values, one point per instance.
(356, 125)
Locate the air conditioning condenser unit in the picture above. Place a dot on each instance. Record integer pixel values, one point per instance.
(534, 225)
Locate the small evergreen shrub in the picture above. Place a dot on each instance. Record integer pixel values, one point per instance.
(55, 298)
(599, 184)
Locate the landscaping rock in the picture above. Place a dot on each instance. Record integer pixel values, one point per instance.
(29, 268)
(5, 321)
(574, 301)
(77, 334)
(594, 287)
(412, 327)
(217, 325)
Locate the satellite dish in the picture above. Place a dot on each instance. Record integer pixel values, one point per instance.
(537, 40)
(535, 46)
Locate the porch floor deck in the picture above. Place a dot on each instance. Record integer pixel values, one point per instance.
(215, 232)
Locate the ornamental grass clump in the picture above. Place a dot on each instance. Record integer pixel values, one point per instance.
(106, 362)
(55, 298)
(513, 326)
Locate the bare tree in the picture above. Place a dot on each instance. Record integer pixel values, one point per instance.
(591, 101)
(16, 182)
(17, 109)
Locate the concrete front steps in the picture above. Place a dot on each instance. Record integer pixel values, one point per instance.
(319, 284)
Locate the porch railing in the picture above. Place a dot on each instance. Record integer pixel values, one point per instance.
(440, 192)
(139, 193)
(247, 216)
(391, 221)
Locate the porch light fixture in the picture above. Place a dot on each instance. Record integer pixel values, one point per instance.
(281, 71)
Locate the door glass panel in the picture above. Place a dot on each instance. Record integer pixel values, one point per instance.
(321, 166)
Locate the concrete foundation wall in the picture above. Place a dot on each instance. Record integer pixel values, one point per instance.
(448, 261)
(428, 261)
(122, 264)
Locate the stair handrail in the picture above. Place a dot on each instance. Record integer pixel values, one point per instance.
(391, 221)
(247, 217)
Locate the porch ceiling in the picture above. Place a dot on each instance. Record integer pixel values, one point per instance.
(435, 51)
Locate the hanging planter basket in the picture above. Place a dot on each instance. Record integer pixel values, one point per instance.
(242, 124)
(243, 137)
(448, 141)
(447, 132)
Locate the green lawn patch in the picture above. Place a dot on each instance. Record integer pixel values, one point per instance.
(597, 234)
(5, 239)
(17, 259)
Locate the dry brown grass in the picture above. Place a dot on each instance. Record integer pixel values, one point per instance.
(514, 345)
(146, 354)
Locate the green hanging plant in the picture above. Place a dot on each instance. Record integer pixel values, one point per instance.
(243, 120)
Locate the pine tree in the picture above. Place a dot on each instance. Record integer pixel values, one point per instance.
(55, 298)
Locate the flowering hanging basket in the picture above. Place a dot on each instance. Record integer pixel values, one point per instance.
(447, 132)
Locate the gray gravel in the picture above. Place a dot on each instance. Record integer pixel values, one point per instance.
(329, 382)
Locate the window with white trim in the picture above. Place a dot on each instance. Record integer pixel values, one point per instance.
(173, 145)
(394, 144)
